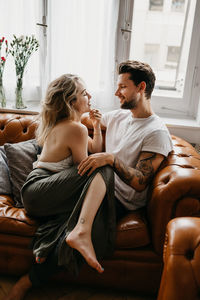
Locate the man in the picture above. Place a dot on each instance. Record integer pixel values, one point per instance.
(137, 141)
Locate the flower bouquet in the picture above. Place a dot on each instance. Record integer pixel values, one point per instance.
(21, 50)
(4, 43)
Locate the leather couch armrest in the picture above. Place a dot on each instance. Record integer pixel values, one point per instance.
(181, 273)
(175, 191)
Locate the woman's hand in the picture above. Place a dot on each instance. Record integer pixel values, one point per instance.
(95, 117)
(96, 143)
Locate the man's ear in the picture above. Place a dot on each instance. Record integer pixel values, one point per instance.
(142, 85)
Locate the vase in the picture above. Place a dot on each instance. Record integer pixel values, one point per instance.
(2, 96)
(19, 103)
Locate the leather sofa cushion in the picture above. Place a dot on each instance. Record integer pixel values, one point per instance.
(132, 230)
(15, 220)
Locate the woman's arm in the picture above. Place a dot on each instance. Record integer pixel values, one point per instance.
(78, 142)
(95, 144)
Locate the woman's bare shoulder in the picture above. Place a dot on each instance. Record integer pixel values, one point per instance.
(71, 128)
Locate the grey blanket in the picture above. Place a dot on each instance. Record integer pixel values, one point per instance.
(56, 200)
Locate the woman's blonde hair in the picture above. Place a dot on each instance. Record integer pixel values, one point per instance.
(57, 105)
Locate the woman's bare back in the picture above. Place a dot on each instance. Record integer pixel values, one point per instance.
(65, 139)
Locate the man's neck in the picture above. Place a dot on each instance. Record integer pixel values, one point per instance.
(143, 110)
(142, 114)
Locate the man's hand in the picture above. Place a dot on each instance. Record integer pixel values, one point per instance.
(95, 161)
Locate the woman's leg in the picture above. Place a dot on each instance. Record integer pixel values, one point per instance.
(80, 237)
(20, 289)
(37, 276)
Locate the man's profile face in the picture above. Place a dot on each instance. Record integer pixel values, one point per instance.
(127, 92)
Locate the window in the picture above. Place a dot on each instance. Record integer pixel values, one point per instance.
(178, 5)
(75, 37)
(173, 54)
(169, 41)
(151, 54)
(156, 5)
(21, 20)
(90, 37)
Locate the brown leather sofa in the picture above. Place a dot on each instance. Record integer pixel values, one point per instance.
(181, 274)
(137, 261)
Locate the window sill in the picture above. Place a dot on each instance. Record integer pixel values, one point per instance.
(184, 128)
(32, 108)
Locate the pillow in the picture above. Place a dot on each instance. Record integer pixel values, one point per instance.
(5, 184)
(20, 157)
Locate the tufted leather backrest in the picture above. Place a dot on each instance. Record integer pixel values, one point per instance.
(175, 191)
(17, 128)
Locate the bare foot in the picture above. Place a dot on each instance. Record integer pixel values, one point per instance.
(81, 241)
(20, 289)
(40, 260)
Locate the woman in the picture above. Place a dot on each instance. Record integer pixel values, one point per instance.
(76, 213)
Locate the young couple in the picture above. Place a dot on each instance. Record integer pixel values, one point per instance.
(74, 195)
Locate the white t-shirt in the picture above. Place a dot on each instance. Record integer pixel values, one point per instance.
(126, 137)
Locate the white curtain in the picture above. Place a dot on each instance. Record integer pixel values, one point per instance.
(19, 17)
(82, 38)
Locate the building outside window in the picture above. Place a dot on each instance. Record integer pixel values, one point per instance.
(173, 29)
(178, 5)
(173, 54)
(156, 5)
(152, 54)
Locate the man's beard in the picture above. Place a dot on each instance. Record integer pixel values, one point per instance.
(129, 104)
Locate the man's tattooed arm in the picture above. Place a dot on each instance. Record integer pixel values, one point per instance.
(140, 176)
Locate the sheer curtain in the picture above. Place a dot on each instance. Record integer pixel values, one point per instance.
(81, 40)
(19, 17)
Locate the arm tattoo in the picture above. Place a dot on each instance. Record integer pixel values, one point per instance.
(145, 167)
(124, 172)
(142, 174)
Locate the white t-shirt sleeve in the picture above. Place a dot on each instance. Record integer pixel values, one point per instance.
(158, 141)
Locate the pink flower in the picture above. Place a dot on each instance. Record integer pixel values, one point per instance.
(3, 58)
(6, 42)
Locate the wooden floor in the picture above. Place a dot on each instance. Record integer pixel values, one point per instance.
(63, 292)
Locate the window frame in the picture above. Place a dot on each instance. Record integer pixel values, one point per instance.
(171, 105)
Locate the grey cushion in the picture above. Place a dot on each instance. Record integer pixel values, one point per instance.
(20, 158)
(5, 184)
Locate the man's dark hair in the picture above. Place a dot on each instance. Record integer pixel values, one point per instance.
(139, 72)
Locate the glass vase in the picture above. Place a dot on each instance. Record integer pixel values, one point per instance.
(2, 96)
(19, 103)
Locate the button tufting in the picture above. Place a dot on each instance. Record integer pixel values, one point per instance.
(166, 179)
(183, 155)
(25, 130)
(179, 145)
(189, 254)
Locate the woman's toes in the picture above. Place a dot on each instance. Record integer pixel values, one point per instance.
(40, 260)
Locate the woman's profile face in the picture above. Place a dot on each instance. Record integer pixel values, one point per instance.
(82, 103)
